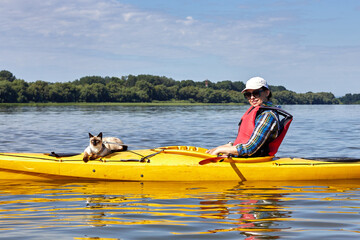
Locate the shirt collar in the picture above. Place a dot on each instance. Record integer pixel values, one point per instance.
(268, 104)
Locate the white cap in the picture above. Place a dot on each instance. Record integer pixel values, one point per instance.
(255, 83)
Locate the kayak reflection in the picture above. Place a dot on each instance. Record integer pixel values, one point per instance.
(250, 210)
(255, 210)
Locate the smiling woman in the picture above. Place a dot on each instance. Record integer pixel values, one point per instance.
(260, 129)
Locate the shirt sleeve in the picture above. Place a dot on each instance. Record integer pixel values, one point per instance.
(266, 126)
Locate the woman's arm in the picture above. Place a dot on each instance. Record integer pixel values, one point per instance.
(265, 127)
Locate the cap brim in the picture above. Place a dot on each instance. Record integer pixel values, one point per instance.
(254, 88)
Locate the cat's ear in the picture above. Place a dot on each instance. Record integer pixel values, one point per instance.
(100, 135)
(90, 135)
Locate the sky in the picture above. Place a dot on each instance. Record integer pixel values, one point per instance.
(303, 45)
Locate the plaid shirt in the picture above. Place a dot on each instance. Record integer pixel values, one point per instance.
(266, 127)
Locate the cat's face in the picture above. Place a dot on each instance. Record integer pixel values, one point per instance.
(95, 140)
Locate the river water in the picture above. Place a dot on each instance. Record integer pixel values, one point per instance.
(215, 210)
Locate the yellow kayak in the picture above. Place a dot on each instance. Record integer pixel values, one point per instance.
(172, 163)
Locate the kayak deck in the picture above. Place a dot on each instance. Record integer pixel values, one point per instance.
(173, 163)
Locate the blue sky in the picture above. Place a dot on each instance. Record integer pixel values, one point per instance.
(304, 45)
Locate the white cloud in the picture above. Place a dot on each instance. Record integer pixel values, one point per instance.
(106, 35)
(105, 25)
(188, 20)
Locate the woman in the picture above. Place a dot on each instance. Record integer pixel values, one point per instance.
(260, 130)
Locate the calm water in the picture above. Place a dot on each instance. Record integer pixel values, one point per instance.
(218, 210)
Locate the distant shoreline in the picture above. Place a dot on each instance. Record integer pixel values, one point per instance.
(179, 103)
(148, 89)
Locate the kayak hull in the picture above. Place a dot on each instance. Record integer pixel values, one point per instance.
(174, 163)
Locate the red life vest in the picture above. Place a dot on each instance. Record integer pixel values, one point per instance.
(247, 126)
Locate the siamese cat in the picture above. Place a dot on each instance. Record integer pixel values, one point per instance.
(100, 147)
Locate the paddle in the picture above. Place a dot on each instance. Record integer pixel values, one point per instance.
(213, 159)
(230, 159)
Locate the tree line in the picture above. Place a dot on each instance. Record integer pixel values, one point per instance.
(147, 88)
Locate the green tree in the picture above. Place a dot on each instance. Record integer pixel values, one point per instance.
(142, 96)
(350, 99)
(237, 97)
(238, 86)
(130, 95)
(20, 87)
(277, 88)
(174, 92)
(188, 92)
(225, 85)
(38, 91)
(114, 90)
(203, 95)
(96, 92)
(63, 92)
(120, 81)
(6, 75)
(156, 80)
(145, 90)
(284, 97)
(187, 83)
(7, 93)
(162, 93)
(216, 96)
(131, 81)
(91, 80)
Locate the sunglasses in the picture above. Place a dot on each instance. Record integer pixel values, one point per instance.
(255, 93)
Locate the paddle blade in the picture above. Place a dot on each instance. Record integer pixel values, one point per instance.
(210, 160)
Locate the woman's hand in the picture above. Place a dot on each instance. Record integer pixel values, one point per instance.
(224, 149)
